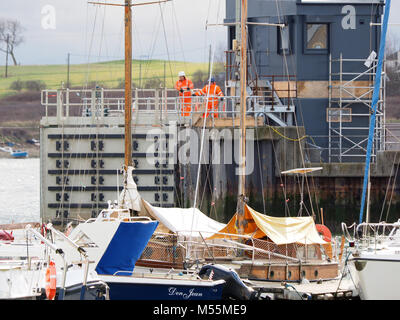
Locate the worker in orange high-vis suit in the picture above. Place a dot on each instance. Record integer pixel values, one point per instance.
(214, 93)
(185, 87)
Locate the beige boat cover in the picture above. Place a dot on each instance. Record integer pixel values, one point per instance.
(284, 230)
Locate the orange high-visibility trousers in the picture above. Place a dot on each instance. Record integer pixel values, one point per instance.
(185, 105)
(212, 108)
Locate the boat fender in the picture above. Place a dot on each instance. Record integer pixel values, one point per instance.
(360, 265)
(5, 236)
(51, 281)
(324, 232)
(43, 230)
(234, 287)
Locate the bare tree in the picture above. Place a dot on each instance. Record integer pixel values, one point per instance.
(11, 35)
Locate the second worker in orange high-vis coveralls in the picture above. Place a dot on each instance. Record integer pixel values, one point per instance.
(185, 87)
(214, 93)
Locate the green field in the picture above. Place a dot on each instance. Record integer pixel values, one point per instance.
(105, 74)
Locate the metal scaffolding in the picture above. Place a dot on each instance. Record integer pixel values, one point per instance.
(350, 106)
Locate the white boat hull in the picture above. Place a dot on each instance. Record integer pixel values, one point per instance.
(378, 278)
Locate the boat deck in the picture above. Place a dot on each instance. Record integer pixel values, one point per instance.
(326, 290)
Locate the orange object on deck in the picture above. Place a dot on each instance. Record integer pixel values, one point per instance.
(51, 281)
(328, 250)
(324, 232)
(342, 248)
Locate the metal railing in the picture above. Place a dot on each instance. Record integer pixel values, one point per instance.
(164, 104)
(187, 248)
(372, 236)
(66, 264)
(259, 82)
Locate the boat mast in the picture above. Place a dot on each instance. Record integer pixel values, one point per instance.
(128, 85)
(128, 78)
(243, 96)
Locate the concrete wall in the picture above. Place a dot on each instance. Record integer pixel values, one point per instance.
(336, 189)
(78, 176)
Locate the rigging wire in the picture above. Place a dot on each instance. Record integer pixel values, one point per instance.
(278, 8)
(205, 44)
(90, 47)
(63, 161)
(179, 34)
(98, 110)
(138, 42)
(82, 173)
(170, 67)
(110, 67)
(282, 184)
(388, 185)
(203, 133)
(392, 193)
(212, 190)
(209, 185)
(159, 55)
(165, 39)
(257, 135)
(101, 39)
(261, 172)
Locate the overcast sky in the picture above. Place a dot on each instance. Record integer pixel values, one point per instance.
(92, 33)
(97, 32)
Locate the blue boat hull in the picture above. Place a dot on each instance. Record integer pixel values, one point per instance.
(136, 291)
(19, 154)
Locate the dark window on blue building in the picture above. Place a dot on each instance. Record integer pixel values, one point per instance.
(316, 37)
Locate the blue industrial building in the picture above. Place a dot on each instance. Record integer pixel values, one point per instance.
(313, 54)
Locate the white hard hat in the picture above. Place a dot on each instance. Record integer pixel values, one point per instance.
(182, 74)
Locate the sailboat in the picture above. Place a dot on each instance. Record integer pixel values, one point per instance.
(374, 259)
(109, 240)
(277, 249)
(115, 240)
(247, 241)
(18, 154)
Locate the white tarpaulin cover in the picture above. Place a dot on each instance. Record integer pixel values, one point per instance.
(183, 221)
(130, 195)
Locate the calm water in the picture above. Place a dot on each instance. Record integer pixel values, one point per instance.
(19, 190)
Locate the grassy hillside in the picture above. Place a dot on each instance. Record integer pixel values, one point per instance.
(21, 110)
(106, 74)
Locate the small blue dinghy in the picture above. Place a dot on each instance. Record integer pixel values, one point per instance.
(19, 154)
